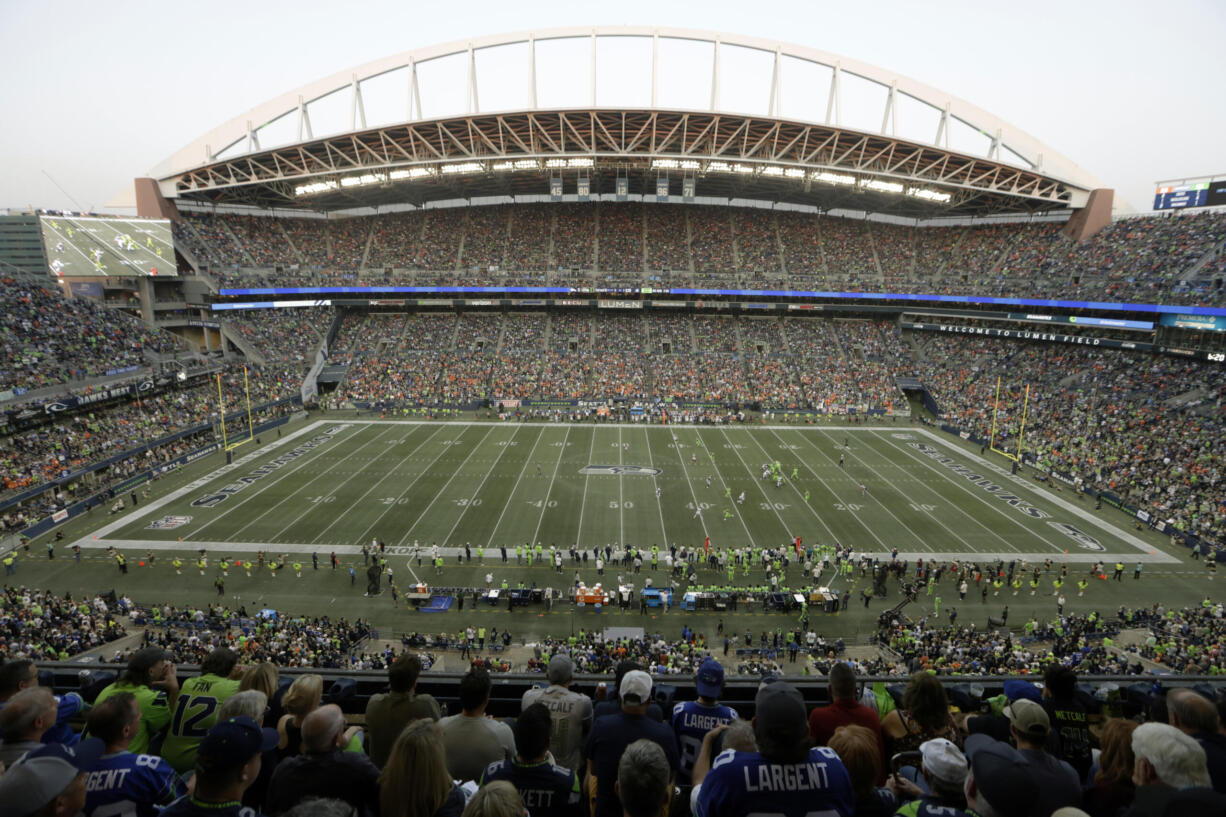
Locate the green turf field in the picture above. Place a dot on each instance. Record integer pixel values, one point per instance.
(332, 484)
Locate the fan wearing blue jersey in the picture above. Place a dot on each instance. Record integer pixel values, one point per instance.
(122, 782)
(693, 719)
(784, 776)
(546, 789)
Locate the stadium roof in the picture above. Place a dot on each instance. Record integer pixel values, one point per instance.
(741, 117)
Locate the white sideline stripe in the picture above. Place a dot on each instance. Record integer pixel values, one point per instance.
(1157, 557)
(690, 484)
(196, 485)
(222, 548)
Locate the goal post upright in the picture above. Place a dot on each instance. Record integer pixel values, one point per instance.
(221, 409)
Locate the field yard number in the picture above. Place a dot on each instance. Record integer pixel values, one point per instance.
(540, 503)
(475, 502)
(773, 506)
(917, 506)
(559, 444)
(840, 506)
(394, 500)
(507, 442)
(789, 447)
(321, 499)
(736, 446)
(449, 442)
(706, 506)
(627, 504)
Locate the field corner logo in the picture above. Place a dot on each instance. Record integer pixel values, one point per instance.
(619, 470)
(169, 522)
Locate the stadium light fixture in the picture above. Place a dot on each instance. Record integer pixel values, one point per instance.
(929, 195)
(882, 186)
(315, 187)
(665, 164)
(740, 168)
(771, 170)
(719, 167)
(364, 179)
(580, 161)
(555, 163)
(793, 173)
(833, 178)
(463, 167)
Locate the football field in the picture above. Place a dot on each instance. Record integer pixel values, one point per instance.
(334, 485)
(331, 483)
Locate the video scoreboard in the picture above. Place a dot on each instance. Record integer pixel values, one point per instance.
(92, 246)
(1190, 194)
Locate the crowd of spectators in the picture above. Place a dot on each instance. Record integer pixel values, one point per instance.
(1148, 429)
(255, 746)
(1137, 259)
(284, 336)
(1134, 259)
(47, 339)
(37, 625)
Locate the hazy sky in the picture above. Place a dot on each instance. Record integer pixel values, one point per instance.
(95, 94)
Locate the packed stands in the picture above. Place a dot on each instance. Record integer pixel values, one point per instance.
(47, 339)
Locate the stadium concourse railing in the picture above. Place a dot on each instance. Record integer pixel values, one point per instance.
(97, 498)
(1125, 695)
(1139, 515)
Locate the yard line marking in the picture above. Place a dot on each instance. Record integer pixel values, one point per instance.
(994, 535)
(586, 480)
(302, 489)
(919, 539)
(812, 510)
(481, 484)
(402, 494)
(1101, 524)
(654, 483)
(549, 490)
(727, 492)
(443, 490)
(835, 494)
(621, 497)
(786, 529)
(697, 505)
(518, 480)
(302, 463)
(195, 485)
(391, 471)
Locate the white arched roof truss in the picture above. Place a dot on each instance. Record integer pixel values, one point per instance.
(586, 67)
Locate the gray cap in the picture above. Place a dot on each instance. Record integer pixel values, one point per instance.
(561, 669)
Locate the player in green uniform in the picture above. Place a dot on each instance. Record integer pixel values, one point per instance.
(195, 711)
(152, 679)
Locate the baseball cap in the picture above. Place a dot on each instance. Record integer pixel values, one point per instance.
(779, 710)
(234, 742)
(1028, 718)
(944, 760)
(43, 773)
(635, 683)
(710, 679)
(1017, 690)
(1002, 775)
(561, 669)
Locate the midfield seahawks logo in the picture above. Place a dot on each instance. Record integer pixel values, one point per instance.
(619, 470)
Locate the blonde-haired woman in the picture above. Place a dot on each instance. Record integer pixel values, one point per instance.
(497, 799)
(415, 782)
(301, 699)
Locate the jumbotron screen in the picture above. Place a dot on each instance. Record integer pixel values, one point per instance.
(82, 246)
